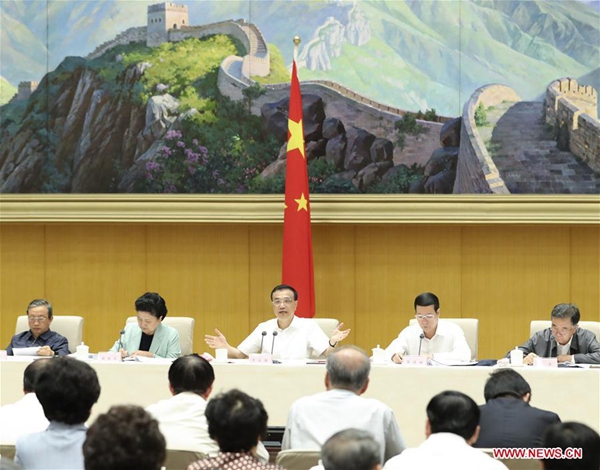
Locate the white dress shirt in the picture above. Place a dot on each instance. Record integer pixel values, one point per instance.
(182, 421)
(314, 419)
(446, 451)
(448, 343)
(23, 417)
(297, 341)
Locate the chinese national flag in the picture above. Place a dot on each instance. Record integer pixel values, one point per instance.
(297, 237)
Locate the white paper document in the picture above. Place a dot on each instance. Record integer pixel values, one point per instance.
(26, 351)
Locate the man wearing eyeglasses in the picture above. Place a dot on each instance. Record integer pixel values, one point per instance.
(563, 340)
(286, 336)
(437, 339)
(39, 315)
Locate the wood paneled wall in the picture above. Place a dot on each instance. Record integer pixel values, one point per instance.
(366, 275)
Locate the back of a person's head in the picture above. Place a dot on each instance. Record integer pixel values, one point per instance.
(453, 412)
(32, 371)
(348, 367)
(351, 449)
(125, 438)
(572, 436)
(236, 421)
(67, 389)
(505, 382)
(191, 373)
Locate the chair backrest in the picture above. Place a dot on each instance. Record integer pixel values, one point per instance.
(470, 326)
(185, 327)
(298, 459)
(539, 325)
(7, 451)
(327, 325)
(181, 459)
(516, 464)
(71, 327)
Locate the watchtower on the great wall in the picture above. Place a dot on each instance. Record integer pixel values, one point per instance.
(161, 18)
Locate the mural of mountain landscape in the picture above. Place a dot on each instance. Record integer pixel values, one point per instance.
(419, 96)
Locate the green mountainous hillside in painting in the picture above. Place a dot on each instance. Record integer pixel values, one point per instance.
(413, 54)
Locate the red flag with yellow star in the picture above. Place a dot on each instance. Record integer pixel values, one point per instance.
(297, 238)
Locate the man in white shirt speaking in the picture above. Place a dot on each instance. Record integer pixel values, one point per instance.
(435, 338)
(314, 419)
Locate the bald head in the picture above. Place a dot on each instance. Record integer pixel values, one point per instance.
(348, 368)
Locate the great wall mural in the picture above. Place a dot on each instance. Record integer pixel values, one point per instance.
(399, 97)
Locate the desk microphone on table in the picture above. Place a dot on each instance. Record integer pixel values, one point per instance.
(263, 334)
(121, 333)
(273, 346)
(421, 336)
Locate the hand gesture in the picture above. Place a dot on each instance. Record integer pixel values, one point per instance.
(338, 334)
(216, 342)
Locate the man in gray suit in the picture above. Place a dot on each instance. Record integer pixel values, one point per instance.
(563, 340)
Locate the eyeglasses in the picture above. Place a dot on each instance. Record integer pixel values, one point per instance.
(429, 316)
(564, 330)
(286, 300)
(37, 319)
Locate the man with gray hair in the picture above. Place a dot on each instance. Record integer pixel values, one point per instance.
(314, 419)
(351, 449)
(563, 340)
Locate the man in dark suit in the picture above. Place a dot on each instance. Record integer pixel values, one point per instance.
(507, 419)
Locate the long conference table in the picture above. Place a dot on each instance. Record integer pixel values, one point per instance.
(572, 393)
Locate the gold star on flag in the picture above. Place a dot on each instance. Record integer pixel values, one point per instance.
(302, 203)
(296, 140)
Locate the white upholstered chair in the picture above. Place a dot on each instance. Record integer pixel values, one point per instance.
(298, 459)
(71, 327)
(470, 326)
(327, 325)
(185, 327)
(539, 325)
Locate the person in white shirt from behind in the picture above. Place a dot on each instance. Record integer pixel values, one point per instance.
(27, 415)
(350, 449)
(451, 429)
(314, 419)
(437, 339)
(181, 418)
(286, 336)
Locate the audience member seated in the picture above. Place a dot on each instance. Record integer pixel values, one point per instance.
(150, 337)
(314, 419)
(181, 418)
(563, 340)
(67, 389)
(237, 422)
(574, 436)
(125, 438)
(507, 419)
(435, 338)
(351, 449)
(25, 416)
(39, 315)
(451, 429)
(286, 336)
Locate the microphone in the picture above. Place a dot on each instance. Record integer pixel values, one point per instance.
(550, 345)
(421, 336)
(273, 343)
(121, 333)
(263, 334)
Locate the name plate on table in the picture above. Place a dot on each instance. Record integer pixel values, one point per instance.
(109, 356)
(261, 358)
(545, 362)
(414, 360)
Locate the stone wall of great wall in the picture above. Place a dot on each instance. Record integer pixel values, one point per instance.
(573, 107)
(476, 171)
(122, 39)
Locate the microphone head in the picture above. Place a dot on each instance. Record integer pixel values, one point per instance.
(122, 332)
(275, 333)
(264, 333)
(422, 335)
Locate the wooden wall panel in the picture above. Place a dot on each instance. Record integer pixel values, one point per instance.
(22, 273)
(394, 265)
(512, 275)
(202, 272)
(96, 271)
(366, 275)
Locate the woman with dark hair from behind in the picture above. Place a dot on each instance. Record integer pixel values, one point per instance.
(125, 438)
(237, 422)
(572, 436)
